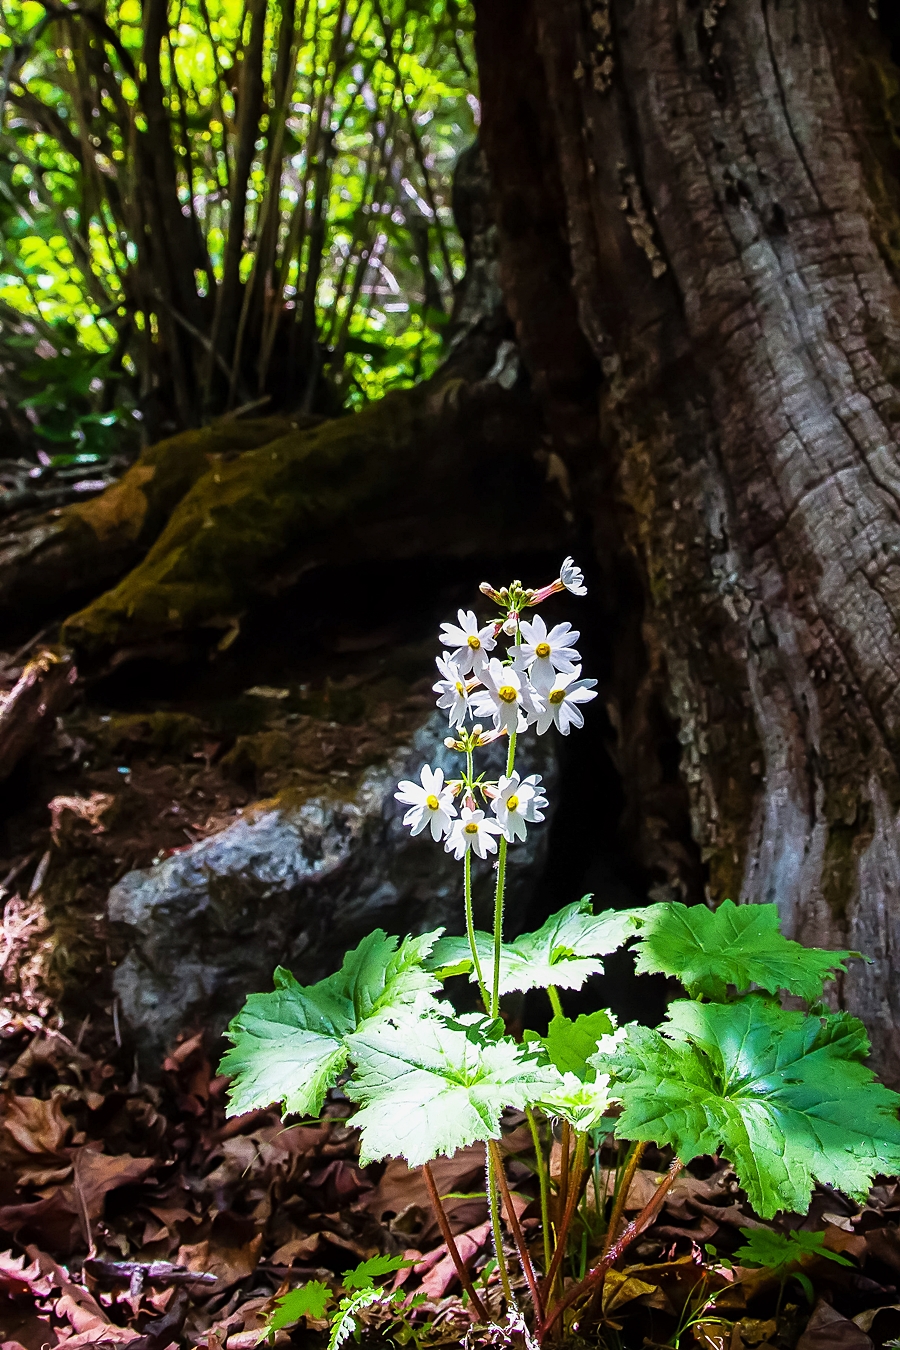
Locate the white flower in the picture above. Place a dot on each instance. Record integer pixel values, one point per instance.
(560, 702)
(533, 812)
(429, 804)
(547, 652)
(472, 643)
(571, 577)
(473, 831)
(507, 697)
(515, 804)
(452, 689)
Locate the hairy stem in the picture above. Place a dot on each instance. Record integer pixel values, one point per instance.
(544, 1185)
(498, 893)
(562, 1232)
(524, 1258)
(596, 1275)
(632, 1163)
(496, 1229)
(444, 1224)
(555, 1004)
(470, 930)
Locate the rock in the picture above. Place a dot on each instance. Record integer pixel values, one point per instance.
(296, 882)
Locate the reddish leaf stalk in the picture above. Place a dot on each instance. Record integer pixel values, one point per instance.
(524, 1258)
(444, 1224)
(634, 1229)
(574, 1194)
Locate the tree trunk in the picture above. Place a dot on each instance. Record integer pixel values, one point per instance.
(722, 272)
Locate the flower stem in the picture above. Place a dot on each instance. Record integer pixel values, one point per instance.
(444, 1224)
(498, 893)
(495, 1225)
(544, 1185)
(470, 930)
(470, 922)
(524, 1258)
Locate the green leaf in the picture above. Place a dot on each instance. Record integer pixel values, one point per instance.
(344, 1323)
(734, 944)
(364, 1276)
(562, 953)
(784, 1095)
(570, 1044)
(767, 1247)
(428, 1085)
(310, 1300)
(290, 1045)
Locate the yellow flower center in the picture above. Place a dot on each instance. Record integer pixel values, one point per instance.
(508, 693)
(542, 649)
(556, 695)
(432, 802)
(512, 803)
(471, 828)
(474, 642)
(460, 687)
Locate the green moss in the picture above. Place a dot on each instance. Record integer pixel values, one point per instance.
(168, 733)
(231, 529)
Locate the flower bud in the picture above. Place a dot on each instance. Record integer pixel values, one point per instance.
(487, 589)
(451, 744)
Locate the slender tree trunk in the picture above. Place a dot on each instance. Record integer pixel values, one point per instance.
(730, 238)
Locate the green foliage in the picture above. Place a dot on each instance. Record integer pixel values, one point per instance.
(313, 1298)
(734, 944)
(570, 1045)
(785, 1096)
(431, 1085)
(776, 1251)
(291, 1045)
(310, 1300)
(365, 1274)
(562, 953)
(137, 197)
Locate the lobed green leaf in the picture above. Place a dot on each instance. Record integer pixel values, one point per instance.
(290, 1045)
(739, 945)
(562, 953)
(784, 1095)
(431, 1085)
(776, 1251)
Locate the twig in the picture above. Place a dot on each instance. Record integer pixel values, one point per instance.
(524, 1258)
(634, 1229)
(444, 1224)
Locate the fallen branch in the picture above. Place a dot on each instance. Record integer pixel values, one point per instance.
(45, 688)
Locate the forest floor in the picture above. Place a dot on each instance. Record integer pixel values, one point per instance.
(135, 1213)
(132, 1212)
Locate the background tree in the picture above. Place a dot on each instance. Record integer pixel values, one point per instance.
(699, 235)
(234, 203)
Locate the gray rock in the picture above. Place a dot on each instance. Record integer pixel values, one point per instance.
(298, 885)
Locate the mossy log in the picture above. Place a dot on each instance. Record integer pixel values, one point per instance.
(449, 468)
(82, 548)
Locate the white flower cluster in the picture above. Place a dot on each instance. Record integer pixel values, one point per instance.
(536, 682)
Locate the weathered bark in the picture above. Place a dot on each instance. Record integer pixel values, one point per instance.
(730, 188)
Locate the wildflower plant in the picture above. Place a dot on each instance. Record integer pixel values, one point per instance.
(784, 1094)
